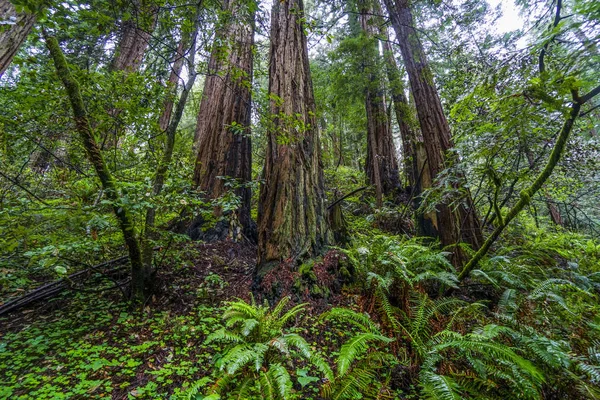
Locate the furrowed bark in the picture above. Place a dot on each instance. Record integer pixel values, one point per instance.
(453, 224)
(129, 54)
(172, 83)
(222, 136)
(381, 164)
(12, 38)
(291, 215)
(135, 37)
(109, 184)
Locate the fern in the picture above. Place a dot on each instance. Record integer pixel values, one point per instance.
(438, 387)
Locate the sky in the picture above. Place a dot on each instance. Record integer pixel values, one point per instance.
(510, 20)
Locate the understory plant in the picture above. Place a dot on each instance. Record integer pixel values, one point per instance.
(259, 351)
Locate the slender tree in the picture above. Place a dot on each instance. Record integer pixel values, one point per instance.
(291, 214)
(222, 136)
(451, 224)
(172, 123)
(16, 26)
(109, 184)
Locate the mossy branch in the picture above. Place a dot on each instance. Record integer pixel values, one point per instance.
(109, 184)
(527, 194)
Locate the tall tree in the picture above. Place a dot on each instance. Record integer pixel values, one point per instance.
(222, 136)
(452, 224)
(291, 214)
(171, 124)
(381, 163)
(135, 35)
(109, 184)
(13, 31)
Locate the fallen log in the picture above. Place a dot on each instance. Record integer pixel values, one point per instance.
(50, 290)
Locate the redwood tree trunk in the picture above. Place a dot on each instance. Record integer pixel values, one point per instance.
(291, 214)
(222, 136)
(410, 136)
(129, 54)
(165, 117)
(453, 224)
(381, 164)
(12, 36)
(135, 37)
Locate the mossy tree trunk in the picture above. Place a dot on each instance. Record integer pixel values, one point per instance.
(222, 138)
(452, 224)
(526, 194)
(291, 216)
(12, 36)
(381, 164)
(109, 185)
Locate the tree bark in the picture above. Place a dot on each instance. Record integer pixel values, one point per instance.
(135, 37)
(109, 185)
(129, 54)
(13, 34)
(381, 163)
(174, 76)
(410, 136)
(456, 224)
(291, 214)
(222, 136)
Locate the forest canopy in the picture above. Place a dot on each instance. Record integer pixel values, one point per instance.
(292, 199)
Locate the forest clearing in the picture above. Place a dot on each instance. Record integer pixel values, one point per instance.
(291, 199)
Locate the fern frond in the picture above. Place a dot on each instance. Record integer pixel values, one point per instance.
(361, 321)
(355, 347)
(223, 335)
(292, 313)
(282, 380)
(439, 387)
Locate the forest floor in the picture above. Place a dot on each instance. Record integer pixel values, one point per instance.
(89, 344)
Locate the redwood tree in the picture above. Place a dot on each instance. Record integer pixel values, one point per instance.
(291, 222)
(222, 136)
(452, 224)
(381, 163)
(14, 34)
(135, 36)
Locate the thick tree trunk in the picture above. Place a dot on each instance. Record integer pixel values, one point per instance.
(454, 224)
(410, 136)
(291, 214)
(381, 164)
(109, 184)
(135, 37)
(13, 34)
(222, 135)
(129, 54)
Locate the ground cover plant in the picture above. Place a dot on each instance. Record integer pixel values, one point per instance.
(327, 199)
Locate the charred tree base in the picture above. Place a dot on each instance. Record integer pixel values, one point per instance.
(200, 228)
(316, 281)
